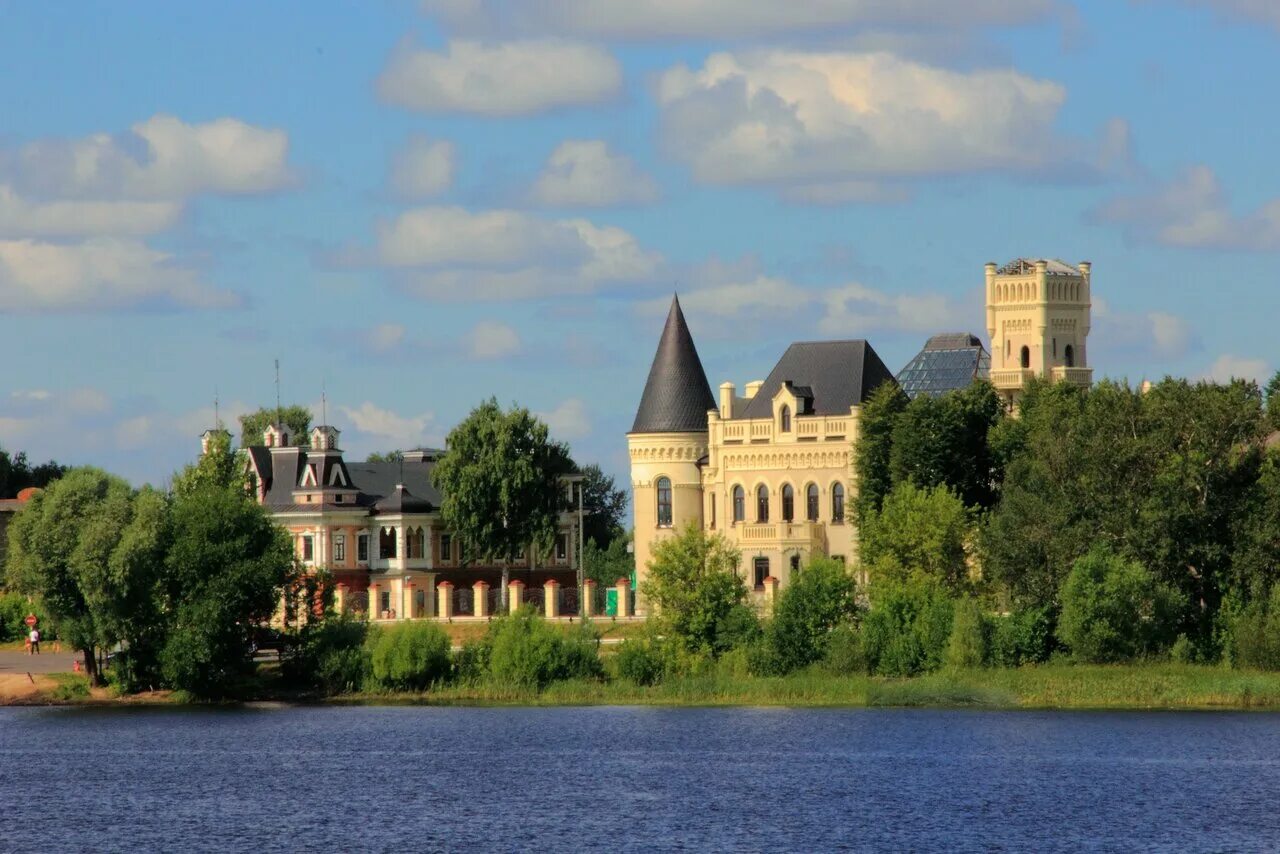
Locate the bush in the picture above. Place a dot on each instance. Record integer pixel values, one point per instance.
(818, 600)
(1255, 633)
(846, 655)
(14, 609)
(907, 629)
(1182, 651)
(330, 655)
(640, 661)
(1114, 610)
(526, 651)
(967, 646)
(471, 664)
(1023, 637)
(409, 657)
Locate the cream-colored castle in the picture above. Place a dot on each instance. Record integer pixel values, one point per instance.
(772, 468)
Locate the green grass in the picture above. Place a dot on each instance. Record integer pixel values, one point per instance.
(70, 688)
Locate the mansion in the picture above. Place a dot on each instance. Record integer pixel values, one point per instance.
(772, 467)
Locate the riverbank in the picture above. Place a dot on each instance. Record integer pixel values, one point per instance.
(1145, 687)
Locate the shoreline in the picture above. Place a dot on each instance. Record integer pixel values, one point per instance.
(1154, 687)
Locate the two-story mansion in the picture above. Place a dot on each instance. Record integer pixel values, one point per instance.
(772, 468)
(375, 527)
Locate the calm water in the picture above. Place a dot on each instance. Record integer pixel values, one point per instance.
(387, 779)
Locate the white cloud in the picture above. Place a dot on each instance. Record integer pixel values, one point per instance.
(1157, 333)
(569, 420)
(493, 340)
(777, 116)
(585, 173)
(35, 394)
(21, 217)
(162, 158)
(390, 428)
(451, 253)
(1228, 367)
(763, 295)
(134, 432)
(104, 273)
(1192, 211)
(853, 309)
(422, 168)
(845, 192)
(1170, 335)
(660, 19)
(385, 337)
(505, 79)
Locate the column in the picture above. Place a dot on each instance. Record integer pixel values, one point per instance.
(444, 593)
(480, 592)
(587, 607)
(623, 587)
(375, 602)
(429, 597)
(410, 604)
(397, 597)
(340, 598)
(551, 598)
(515, 596)
(770, 593)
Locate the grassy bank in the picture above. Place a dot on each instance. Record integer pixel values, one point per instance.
(1156, 686)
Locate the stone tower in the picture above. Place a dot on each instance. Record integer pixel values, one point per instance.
(1038, 317)
(668, 440)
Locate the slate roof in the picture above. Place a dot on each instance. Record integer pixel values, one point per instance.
(401, 500)
(838, 374)
(376, 483)
(676, 395)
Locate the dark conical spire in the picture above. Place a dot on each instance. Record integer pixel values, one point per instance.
(676, 396)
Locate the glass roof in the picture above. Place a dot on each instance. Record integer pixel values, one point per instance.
(936, 372)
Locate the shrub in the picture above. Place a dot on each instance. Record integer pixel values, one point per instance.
(471, 664)
(693, 588)
(845, 655)
(1023, 637)
(409, 657)
(330, 655)
(14, 609)
(907, 629)
(526, 651)
(1182, 651)
(640, 661)
(1255, 633)
(967, 646)
(1114, 609)
(820, 598)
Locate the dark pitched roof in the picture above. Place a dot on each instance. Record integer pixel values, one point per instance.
(379, 480)
(838, 374)
(402, 500)
(676, 395)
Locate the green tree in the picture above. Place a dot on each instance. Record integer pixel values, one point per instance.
(605, 566)
(1115, 609)
(695, 590)
(1273, 401)
(388, 457)
(816, 601)
(879, 417)
(908, 628)
(918, 532)
(501, 481)
(942, 441)
(217, 467)
(603, 507)
(967, 646)
(296, 418)
(17, 473)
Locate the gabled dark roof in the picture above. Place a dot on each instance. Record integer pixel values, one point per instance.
(838, 374)
(379, 480)
(402, 500)
(676, 395)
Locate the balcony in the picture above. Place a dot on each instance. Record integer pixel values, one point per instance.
(780, 533)
(1076, 376)
(1011, 379)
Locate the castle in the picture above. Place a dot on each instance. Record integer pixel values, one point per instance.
(772, 468)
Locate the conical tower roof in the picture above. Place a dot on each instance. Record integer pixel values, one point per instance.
(676, 396)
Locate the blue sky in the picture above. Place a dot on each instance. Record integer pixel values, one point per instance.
(414, 206)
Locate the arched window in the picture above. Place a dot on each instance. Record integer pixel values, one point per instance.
(1026, 357)
(739, 504)
(786, 419)
(664, 502)
(416, 543)
(811, 502)
(762, 503)
(837, 503)
(1069, 356)
(788, 503)
(387, 543)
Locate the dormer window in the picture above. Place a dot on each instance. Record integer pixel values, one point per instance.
(785, 418)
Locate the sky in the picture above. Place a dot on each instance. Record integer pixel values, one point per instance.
(415, 206)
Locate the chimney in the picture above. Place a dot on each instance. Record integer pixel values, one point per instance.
(726, 400)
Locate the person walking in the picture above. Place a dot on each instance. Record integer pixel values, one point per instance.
(34, 640)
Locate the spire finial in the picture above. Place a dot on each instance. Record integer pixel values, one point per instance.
(278, 415)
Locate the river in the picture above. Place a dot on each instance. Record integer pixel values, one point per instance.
(632, 779)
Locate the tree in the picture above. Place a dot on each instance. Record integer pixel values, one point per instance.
(1273, 401)
(217, 467)
(605, 566)
(695, 590)
(603, 507)
(296, 418)
(388, 457)
(918, 532)
(943, 441)
(17, 473)
(501, 481)
(818, 600)
(876, 423)
(1114, 609)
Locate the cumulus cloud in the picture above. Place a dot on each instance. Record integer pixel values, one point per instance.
(1170, 335)
(493, 340)
(776, 116)
(569, 420)
(585, 173)
(21, 217)
(422, 168)
(454, 254)
(388, 427)
(104, 273)
(385, 337)
(1193, 212)
(1228, 367)
(503, 79)
(853, 308)
(1158, 333)
(660, 19)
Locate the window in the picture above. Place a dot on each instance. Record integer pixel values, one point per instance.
(339, 548)
(739, 504)
(362, 548)
(795, 565)
(308, 548)
(385, 603)
(562, 548)
(786, 419)
(837, 503)
(1069, 356)
(762, 503)
(1026, 357)
(760, 571)
(811, 502)
(713, 511)
(788, 503)
(446, 548)
(664, 502)
(387, 543)
(416, 542)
